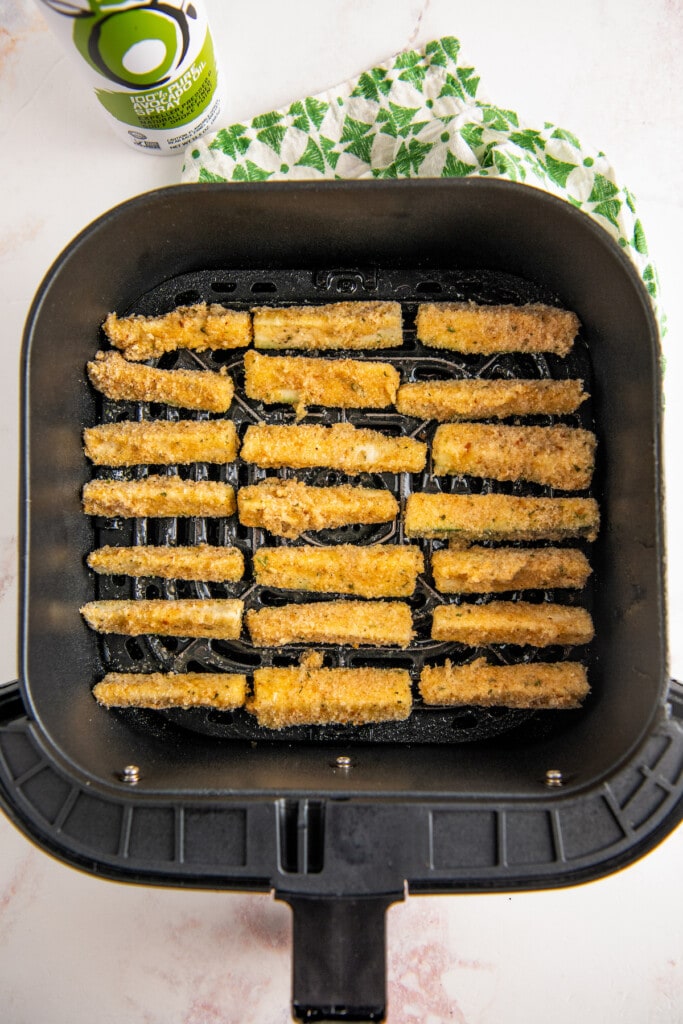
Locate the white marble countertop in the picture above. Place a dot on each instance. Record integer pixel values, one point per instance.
(74, 949)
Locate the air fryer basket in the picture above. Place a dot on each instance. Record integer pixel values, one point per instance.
(337, 821)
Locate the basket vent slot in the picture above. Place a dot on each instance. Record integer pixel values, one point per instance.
(301, 829)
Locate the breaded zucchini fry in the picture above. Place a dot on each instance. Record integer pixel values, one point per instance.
(161, 442)
(223, 690)
(217, 618)
(350, 623)
(322, 696)
(558, 456)
(478, 570)
(158, 496)
(341, 446)
(485, 330)
(535, 685)
(378, 570)
(472, 517)
(118, 379)
(288, 508)
(339, 325)
(195, 327)
(476, 399)
(339, 383)
(201, 562)
(512, 622)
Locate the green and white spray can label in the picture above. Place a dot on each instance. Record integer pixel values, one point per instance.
(151, 64)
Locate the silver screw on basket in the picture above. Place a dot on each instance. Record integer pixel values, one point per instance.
(554, 778)
(130, 774)
(344, 761)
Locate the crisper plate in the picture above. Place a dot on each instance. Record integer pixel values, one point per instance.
(240, 289)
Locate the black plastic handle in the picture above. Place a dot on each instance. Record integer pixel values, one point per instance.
(339, 958)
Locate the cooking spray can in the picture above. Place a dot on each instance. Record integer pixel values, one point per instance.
(151, 64)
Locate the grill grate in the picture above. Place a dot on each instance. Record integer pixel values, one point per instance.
(241, 290)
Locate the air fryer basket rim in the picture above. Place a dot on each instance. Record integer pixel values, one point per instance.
(474, 184)
(482, 190)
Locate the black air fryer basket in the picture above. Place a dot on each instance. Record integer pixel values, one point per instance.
(339, 822)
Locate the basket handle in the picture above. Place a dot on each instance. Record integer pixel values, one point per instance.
(339, 960)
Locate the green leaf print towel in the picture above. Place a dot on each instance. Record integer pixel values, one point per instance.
(420, 114)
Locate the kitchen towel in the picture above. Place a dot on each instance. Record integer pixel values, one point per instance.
(421, 114)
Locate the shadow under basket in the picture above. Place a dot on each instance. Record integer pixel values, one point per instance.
(339, 822)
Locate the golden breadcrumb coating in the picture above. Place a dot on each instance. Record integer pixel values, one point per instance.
(339, 325)
(476, 399)
(478, 570)
(196, 327)
(118, 379)
(307, 695)
(558, 456)
(205, 562)
(223, 690)
(534, 685)
(471, 517)
(288, 508)
(301, 381)
(512, 622)
(378, 570)
(485, 330)
(217, 618)
(341, 446)
(350, 623)
(161, 442)
(158, 496)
